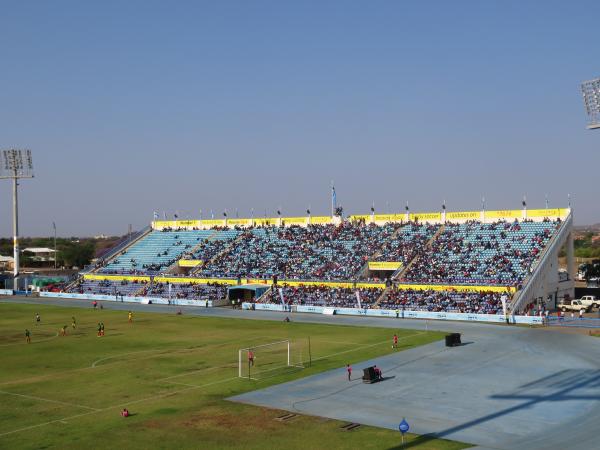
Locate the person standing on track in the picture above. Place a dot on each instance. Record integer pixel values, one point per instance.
(349, 370)
(28, 336)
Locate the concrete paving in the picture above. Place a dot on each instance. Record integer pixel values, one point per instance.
(506, 388)
(525, 388)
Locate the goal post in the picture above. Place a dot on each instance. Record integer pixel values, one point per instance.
(268, 359)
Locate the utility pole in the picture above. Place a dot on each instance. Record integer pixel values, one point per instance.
(54, 226)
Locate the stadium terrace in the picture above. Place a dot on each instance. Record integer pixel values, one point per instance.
(478, 263)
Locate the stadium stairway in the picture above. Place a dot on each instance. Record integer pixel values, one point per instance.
(265, 295)
(232, 244)
(399, 274)
(363, 273)
(173, 268)
(382, 296)
(73, 283)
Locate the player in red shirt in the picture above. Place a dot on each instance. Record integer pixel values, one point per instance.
(395, 341)
(349, 369)
(251, 358)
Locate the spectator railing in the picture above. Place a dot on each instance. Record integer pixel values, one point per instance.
(538, 269)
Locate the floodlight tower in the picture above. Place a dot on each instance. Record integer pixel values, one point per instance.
(591, 99)
(15, 164)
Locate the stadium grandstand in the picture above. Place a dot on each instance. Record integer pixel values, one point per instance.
(481, 263)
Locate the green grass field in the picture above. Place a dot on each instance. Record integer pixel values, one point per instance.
(173, 373)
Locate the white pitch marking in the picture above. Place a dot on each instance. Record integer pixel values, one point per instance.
(31, 397)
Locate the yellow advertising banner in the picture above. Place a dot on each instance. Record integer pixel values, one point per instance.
(389, 217)
(320, 220)
(160, 224)
(213, 223)
(332, 284)
(384, 265)
(507, 214)
(465, 215)
(294, 220)
(239, 222)
(423, 217)
(549, 213)
(266, 221)
(187, 280)
(132, 278)
(358, 217)
(190, 262)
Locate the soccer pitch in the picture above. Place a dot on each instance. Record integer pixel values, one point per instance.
(173, 373)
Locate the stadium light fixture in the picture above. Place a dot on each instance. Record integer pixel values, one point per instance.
(16, 164)
(591, 100)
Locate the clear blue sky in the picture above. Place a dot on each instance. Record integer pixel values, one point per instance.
(136, 106)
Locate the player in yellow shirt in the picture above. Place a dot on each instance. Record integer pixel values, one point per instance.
(130, 316)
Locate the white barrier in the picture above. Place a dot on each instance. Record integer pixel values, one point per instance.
(266, 306)
(126, 299)
(6, 292)
(495, 318)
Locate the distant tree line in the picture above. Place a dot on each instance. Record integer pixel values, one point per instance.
(585, 247)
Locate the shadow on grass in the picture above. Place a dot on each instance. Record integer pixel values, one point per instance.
(416, 442)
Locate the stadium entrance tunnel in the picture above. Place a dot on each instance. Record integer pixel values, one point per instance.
(246, 292)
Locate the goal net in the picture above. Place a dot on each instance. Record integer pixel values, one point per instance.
(268, 360)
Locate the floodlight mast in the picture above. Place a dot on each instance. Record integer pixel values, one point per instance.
(591, 100)
(16, 164)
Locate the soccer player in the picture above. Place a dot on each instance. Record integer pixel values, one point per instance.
(395, 345)
(73, 322)
(130, 317)
(94, 304)
(63, 330)
(99, 329)
(251, 358)
(28, 336)
(102, 328)
(37, 318)
(349, 370)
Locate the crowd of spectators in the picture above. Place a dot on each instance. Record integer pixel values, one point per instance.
(107, 287)
(325, 252)
(325, 296)
(476, 253)
(189, 291)
(446, 301)
(408, 242)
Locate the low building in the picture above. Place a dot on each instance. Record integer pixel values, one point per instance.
(40, 254)
(7, 262)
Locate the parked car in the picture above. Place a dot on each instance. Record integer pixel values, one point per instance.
(575, 305)
(590, 300)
